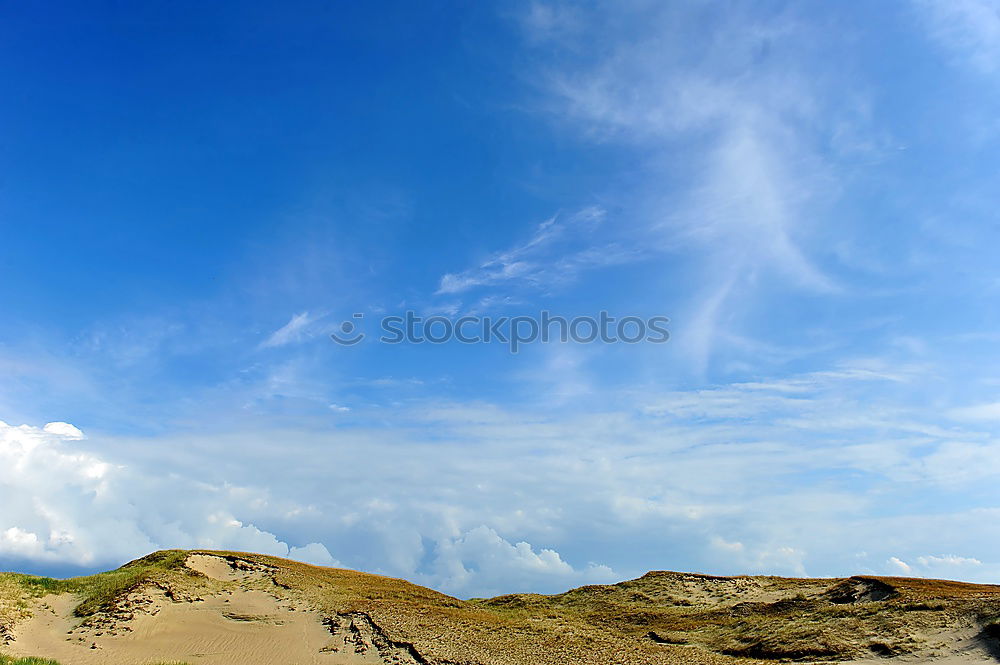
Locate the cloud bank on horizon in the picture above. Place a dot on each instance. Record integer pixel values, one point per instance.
(194, 200)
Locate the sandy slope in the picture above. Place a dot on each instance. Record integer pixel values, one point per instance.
(246, 627)
(955, 645)
(232, 627)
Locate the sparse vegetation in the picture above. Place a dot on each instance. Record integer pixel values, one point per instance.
(97, 592)
(100, 591)
(660, 618)
(32, 660)
(8, 660)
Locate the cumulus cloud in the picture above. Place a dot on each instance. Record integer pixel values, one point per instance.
(476, 499)
(21, 543)
(944, 565)
(314, 553)
(64, 430)
(70, 506)
(948, 560)
(500, 566)
(77, 507)
(762, 557)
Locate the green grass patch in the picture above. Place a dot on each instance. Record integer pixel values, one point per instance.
(99, 591)
(40, 586)
(31, 660)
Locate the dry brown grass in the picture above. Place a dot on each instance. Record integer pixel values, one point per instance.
(660, 618)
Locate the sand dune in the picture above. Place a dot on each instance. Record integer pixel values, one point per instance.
(243, 627)
(233, 626)
(217, 608)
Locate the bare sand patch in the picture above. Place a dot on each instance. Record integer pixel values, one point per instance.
(241, 627)
(224, 569)
(955, 645)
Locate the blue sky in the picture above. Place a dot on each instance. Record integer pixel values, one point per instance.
(192, 198)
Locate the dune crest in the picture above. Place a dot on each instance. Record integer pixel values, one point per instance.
(229, 608)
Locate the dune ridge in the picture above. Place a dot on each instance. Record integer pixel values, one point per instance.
(228, 608)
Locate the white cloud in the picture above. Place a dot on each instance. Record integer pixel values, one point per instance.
(293, 331)
(948, 560)
(559, 249)
(71, 506)
(726, 546)
(74, 507)
(473, 498)
(900, 566)
(762, 557)
(970, 28)
(315, 554)
(64, 430)
(750, 108)
(672, 471)
(498, 566)
(978, 412)
(937, 566)
(783, 558)
(21, 543)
